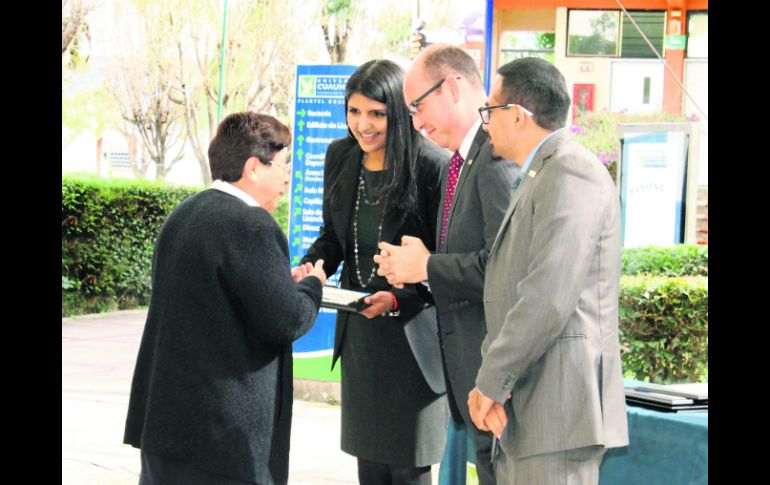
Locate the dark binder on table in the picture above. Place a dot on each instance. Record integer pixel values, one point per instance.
(639, 396)
(341, 299)
(656, 397)
(683, 408)
(698, 391)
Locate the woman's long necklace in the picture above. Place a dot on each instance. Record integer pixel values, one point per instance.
(361, 194)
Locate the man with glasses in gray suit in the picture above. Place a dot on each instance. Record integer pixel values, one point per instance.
(550, 387)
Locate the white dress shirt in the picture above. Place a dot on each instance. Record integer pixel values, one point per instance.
(231, 189)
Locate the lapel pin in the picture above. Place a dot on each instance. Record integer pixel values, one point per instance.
(470, 161)
(532, 173)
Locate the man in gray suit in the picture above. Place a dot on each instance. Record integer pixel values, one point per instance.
(444, 89)
(550, 386)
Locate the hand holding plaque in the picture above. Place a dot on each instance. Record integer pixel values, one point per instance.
(341, 299)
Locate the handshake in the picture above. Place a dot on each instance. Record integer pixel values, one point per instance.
(302, 271)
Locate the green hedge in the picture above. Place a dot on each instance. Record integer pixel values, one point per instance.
(664, 328)
(281, 214)
(679, 260)
(664, 313)
(109, 227)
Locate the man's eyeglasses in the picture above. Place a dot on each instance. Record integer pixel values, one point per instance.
(286, 166)
(486, 115)
(414, 105)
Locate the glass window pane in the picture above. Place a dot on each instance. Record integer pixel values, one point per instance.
(652, 24)
(698, 35)
(592, 33)
(518, 44)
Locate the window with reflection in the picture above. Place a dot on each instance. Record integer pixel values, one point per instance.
(592, 33)
(518, 44)
(611, 33)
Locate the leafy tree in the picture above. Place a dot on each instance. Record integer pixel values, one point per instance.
(337, 25)
(606, 22)
(386, 29)
(83, 111)
(545, 40)
(594, 44)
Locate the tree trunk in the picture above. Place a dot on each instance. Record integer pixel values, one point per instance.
(160, 171)
(132, 153)
(336, 39)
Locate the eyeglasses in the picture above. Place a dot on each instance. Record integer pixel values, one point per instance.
(486, 115)
(413, 106)
(286, 166)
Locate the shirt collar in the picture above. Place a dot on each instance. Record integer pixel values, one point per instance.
(465, 146)
(231, 189)
(533, 152)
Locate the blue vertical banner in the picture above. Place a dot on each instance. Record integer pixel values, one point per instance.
(319, 118)
(489, 16)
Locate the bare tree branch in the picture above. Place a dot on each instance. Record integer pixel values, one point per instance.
(74, 29)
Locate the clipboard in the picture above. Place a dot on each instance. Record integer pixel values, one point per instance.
(345, 300)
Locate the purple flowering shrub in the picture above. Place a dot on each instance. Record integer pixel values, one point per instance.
(597, 131)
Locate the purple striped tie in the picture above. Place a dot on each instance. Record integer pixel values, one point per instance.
(454, 172)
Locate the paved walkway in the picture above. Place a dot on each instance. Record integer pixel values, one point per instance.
(98, 355)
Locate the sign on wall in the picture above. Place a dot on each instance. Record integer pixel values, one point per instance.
(657, 184)
(319, 118)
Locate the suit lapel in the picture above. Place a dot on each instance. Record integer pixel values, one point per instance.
(544, 153)
(343, 211)
(478, 141)
(507, 217)
(394, 220)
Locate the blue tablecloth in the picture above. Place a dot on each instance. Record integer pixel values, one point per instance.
(665, 448)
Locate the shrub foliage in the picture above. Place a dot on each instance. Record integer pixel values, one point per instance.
(597, 131)
(664, 328)
(680, 260)
(108, 232)
(109, 228)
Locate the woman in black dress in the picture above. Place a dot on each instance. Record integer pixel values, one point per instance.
(382, 182)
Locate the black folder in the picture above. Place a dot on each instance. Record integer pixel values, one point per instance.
(341, 299)
(663, 401)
